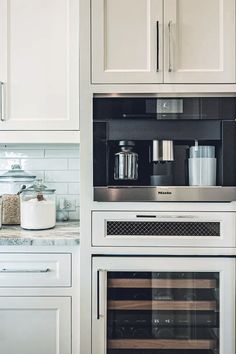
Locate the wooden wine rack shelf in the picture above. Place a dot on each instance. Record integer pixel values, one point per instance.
(163, 283)
(161, 305)
(162, 344)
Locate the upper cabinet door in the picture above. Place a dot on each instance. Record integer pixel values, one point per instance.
(199, 41)
(127, 42)
(39, 65)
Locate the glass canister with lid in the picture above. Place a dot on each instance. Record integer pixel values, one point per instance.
(38, 207)
(11, 183)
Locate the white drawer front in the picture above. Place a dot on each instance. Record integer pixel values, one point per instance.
(35, 270)
(192, 229)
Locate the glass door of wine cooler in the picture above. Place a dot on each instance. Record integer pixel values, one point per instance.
(147, 305)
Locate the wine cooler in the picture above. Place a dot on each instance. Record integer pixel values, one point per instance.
(163, 305)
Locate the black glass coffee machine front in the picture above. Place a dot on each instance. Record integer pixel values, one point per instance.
(164, 149)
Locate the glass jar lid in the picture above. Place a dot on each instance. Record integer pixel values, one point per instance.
(39, 187)
(16, 174)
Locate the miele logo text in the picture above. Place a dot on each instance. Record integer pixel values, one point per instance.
(159, 192)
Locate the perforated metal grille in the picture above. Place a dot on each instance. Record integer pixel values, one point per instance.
(153, 228)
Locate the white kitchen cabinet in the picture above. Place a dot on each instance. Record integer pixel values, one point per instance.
(126, 39)
(35, 325)
(170, 41)
(39, 309)
(39, 64)
(199, 41)
(40, 270)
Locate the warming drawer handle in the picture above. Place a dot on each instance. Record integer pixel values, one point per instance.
(6, 270)
(146, 216)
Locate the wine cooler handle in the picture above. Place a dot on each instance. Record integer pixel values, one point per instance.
(101, 292)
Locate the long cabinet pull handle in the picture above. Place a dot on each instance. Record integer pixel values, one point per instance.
(98, 294)
(6, 270)
(101, 292)
(158, 45)
(170, 68)
(2, 109)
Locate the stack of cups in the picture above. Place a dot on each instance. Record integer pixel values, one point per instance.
(202, 166)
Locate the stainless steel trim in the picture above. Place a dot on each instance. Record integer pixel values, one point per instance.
(170, 68)
(5, 270)
(116, 94)
(165, 194)
(2, 110)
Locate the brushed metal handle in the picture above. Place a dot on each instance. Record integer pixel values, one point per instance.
(158, 44)
(98, 294)
(6, 270)
(170, 67)
(146, 216)
(101, 291)
(2, 109)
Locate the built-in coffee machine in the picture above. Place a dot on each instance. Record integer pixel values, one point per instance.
(164, 149)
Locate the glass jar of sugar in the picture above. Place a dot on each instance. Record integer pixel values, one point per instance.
(38, 207)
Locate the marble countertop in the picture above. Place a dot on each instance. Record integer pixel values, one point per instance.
(64, 234)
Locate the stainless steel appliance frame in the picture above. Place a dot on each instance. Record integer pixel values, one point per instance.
(165, 194)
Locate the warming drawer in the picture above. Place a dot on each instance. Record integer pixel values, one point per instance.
(164, 229)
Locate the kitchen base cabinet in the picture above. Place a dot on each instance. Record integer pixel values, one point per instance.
(35, 325)
(39, 299)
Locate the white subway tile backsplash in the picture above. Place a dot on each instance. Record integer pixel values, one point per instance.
(57, 165)
(38, 174)
(73, 164)
(74, 215)
(62, 176)
(73, 188)
(62, 153)
(61, 188)
(70, 198)
(14, 153)
(44, 164)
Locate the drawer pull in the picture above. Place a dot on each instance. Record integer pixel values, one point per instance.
(5, 270)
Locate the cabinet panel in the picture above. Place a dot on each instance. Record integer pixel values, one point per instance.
(199, 41)
(39, 64)
(35, 270)
(39, 325)
(127, 41)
